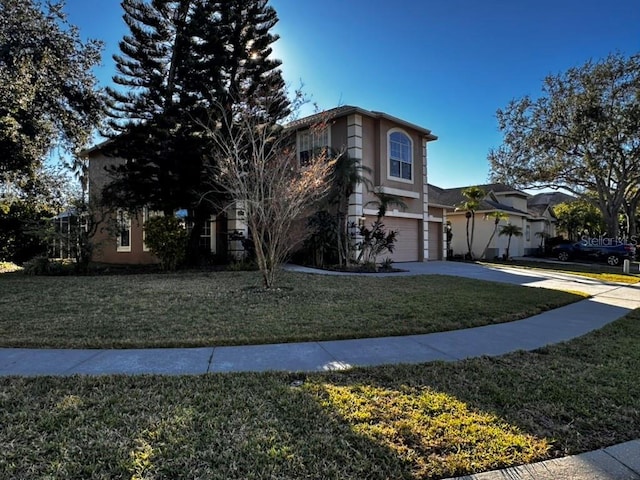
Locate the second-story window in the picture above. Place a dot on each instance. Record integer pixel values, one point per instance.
(311, 143)
(400, 156)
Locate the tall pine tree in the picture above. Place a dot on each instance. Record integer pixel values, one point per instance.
(183, 64)
(147, 112)
(231, 57)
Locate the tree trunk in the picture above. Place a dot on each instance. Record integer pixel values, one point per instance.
(468, 239)
(612, 225)
(473, 229)
(631, 209)
(493, 234)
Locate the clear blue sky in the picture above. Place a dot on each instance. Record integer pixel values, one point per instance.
(446, 65)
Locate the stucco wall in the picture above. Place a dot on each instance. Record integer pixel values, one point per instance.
(482, 232)
(517, 201)
(375, 157)
(106, 251)
(105, 244)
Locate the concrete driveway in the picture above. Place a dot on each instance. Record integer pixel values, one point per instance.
(623, 295)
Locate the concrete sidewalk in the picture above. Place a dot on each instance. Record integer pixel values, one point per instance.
(546, 328)
(619, 462)
(609, 302)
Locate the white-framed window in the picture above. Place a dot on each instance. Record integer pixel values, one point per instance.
(146, 215)
(312, 142)
(400, 148)
(123, 231)
(205, 236)
(206, 240)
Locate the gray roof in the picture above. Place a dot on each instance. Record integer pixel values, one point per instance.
(539, 203)
(437, 196)
(454, 196)
(345, 110)
(549, 199)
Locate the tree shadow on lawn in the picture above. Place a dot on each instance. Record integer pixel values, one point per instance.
(581, 395)
(246, 426)
(214, 426)
(421, 421)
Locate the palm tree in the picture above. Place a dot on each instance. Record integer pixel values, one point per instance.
(376, 240)
(347, 173)
(497, 217)
(511, 231)
(543, 236)
(383, 201)
(474, 195)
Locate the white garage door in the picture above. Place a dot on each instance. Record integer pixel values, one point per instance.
(407, 247)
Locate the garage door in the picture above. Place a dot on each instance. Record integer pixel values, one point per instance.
(435, 241)
(407, 247)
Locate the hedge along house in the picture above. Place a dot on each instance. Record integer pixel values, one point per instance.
(395, 152)
(532, 214)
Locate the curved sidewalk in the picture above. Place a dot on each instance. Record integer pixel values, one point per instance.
(608, 302)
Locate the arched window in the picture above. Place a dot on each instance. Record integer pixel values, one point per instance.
(400, 156)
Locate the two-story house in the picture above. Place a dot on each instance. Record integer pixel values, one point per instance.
(393, 151)
(394, 154)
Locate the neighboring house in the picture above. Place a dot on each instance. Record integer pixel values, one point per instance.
(541, 204)
(530, 213)
(394, 150)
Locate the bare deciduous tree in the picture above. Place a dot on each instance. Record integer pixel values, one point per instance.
(256, 166)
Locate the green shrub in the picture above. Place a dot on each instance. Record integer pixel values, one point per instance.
(42, 265)
(167, 239)
(386, 265)
(375, 241)
(242, 265)
(37, 266)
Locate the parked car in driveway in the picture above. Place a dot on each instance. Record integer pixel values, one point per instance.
(585, 250)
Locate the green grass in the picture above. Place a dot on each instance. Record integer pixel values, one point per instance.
(226, 308)
(597, 271)
(423, 421)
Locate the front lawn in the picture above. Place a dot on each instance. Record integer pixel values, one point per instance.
(424, 421)
(227, 308)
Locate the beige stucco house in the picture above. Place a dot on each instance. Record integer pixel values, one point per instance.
(394, 150)
(533, 214)
(394, 153)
